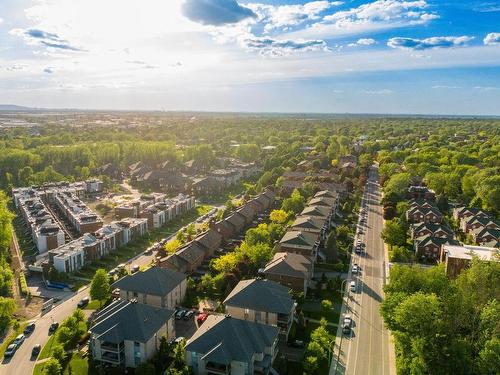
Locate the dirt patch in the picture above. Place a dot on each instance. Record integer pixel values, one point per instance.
(29, 309)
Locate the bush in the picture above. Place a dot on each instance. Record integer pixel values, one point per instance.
(23, 284)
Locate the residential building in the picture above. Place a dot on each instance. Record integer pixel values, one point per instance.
(156, 286)
(486, 235)
(262, 301)
(424, 214)
(462, 212)
(76, 212)
(320, 212)
(300, 243)
(470, 223)
(429, 246)
(291, 270)
(225, 345)
(421, 192)
(430, 229)
(457, 258)
(311, 224)
(126, 333)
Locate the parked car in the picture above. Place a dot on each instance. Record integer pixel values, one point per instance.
(36, 350)
(149, 250)
(180, 314)
(83, 302)
(29, 328)
(11, 349)
(355, 268)
(188, 315)
(346, 326)
(19, 340)
(353, 286)
(53, 327)
(135, 268)
(179, 339)
(201, 318)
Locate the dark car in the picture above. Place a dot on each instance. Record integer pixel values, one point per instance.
(11, 349)
(83, 302)
(29, 328)
(53, 327)
(36, 350)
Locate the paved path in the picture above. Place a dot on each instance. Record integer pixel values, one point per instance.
(368, 348)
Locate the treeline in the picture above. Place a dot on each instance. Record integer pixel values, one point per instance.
(7, 304)
(444, 326)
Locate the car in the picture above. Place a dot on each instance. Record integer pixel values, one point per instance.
(355, 268)
(201, 318)
(120, 267)
(346, 326)
(36, 350)
(83, 302)
(149, 251)
(188, 315)
(112, 272)
(357, 249)
(296, 344)
(180, 314)
(353, 286)
(11, 349)
(29, 328)
(19, 340)
(135, 268)
(53, 327)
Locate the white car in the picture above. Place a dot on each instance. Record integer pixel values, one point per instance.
(353, 286)
(355, 268)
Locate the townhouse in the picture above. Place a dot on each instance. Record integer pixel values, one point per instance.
(486, 236)
(421, 192)
(430, 229)
(225, 345)
(471, 223)
(429, 247)
(128, 333)
(424, 214)
(156, 286)
(294, 271)
(462, 212)
(262, 301)
(76, 212)
(311, 224)
(297, 242)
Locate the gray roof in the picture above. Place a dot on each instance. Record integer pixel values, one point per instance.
(223, 339)
(123, 320)
(308, 222)
(318, 211)
(289, 264)
(156, 281)
(295, 237)
(261, 295)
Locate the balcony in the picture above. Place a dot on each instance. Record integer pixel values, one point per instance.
(112, 347)
(216, 368)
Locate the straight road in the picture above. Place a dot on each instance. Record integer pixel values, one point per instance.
(368, 348)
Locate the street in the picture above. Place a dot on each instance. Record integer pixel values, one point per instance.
(367, 349)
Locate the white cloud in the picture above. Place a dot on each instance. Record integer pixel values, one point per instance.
(486, 88)
(363, 42)
(446, 87)
(429, 43)
(285, 16)
(378, 92)
(274, 48)
(492, 39)
(373, 16)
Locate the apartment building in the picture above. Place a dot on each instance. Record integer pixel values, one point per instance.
(291, 270)
(457, 258)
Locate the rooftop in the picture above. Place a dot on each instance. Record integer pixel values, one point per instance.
(467, 252)
(155, 280)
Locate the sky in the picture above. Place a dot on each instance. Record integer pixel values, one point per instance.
(351, 56)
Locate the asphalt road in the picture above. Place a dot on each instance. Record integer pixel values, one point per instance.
(368, 348)
(21, 362)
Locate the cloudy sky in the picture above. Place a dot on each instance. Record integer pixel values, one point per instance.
(384, 56)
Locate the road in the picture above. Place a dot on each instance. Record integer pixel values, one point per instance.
(368, 349)
(22, 362)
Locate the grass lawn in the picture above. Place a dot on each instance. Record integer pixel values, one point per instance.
(11, 338)
(95, 304)
(53, 341)
(78, 364)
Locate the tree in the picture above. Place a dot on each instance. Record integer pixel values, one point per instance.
(260, 234)
(172, 246)
(442, 203)
(100, 288)
(52, 367)
(326, 306)
(398, 184)
(331, 250)
(293, 204)
(7, 308)
(278, 216)
(311, 365)
(59, 353)
(394, 234)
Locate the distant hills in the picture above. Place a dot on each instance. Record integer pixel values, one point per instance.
(12, 107)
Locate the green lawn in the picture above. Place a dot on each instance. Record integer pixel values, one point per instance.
(95, 304)
(47, 348)
(78, 364)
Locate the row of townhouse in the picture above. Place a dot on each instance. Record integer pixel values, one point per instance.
(190, 257)
(156, 208)
(32, 202)
(90, 247)
(298, 250)
(428, 232)
(244, 340)
(76, 212)
(483, 229)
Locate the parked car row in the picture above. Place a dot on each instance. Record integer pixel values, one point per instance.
(18, 341)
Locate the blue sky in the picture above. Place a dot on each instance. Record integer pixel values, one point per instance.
(379, 56)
